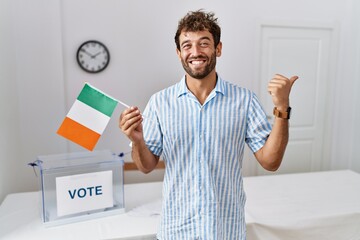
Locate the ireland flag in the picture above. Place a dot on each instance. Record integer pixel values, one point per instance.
(88, 117)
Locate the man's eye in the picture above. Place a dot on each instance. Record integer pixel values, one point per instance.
(186, 46)
(204, 44)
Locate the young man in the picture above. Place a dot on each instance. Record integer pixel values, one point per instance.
(200, 126)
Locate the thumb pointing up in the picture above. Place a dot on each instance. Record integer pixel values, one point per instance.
(293, 79)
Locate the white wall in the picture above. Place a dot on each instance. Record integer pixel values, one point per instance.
(9, 134)
(355, 143)
(39, 39)
(346, 101)
(33, 96)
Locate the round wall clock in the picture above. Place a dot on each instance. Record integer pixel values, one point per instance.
(93, 56)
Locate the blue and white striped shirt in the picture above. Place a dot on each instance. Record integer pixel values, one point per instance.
(203, 147)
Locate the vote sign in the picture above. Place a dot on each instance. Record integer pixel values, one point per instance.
(84, 192)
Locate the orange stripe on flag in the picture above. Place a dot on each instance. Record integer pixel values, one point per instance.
(79, 134)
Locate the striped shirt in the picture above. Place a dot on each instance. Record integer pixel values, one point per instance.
(203, 147)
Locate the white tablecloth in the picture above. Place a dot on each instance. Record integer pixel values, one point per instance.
(20, 218)
(308, 206)
(319, 206)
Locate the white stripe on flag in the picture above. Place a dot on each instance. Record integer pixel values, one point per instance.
(88, 117)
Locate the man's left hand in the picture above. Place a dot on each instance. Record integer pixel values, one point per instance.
(279, 88)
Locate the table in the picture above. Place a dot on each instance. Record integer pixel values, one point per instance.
(20, 218)
(306, 206)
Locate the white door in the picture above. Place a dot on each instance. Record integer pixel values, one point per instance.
(306, 52)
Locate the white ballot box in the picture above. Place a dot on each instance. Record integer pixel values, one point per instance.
(80, 186)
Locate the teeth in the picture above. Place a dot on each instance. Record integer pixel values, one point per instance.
(197, 62)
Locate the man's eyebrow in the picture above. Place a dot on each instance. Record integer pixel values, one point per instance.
(202, 38)
(184, 42)
(206, 38)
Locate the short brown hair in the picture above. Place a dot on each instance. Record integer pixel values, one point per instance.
(199, 21)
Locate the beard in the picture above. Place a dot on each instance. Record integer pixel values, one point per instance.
(203, 72)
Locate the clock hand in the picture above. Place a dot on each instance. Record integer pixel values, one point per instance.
(83, 50)
(94, 56)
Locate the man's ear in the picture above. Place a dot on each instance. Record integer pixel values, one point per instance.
(218, 49)
(178, 53)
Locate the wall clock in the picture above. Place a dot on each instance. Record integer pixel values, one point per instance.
(93, 56)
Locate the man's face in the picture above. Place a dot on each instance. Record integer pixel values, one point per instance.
(197, 53)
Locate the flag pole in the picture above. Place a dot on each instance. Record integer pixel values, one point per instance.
(127, 106)
(122, 103)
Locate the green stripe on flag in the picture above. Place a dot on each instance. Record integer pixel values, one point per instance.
(97, 100)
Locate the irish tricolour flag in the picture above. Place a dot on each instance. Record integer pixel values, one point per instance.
(88, 117)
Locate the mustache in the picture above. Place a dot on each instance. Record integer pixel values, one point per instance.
(200, 57)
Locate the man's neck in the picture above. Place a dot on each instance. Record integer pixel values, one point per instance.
(201, 88)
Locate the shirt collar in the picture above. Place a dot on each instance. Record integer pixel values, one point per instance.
(219, 87)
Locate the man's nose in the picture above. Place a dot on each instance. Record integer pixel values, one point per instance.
(196, 51)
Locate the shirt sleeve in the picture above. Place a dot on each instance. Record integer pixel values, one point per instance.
(153, 135)
(258, 127)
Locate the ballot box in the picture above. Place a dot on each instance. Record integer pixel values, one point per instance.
(80, 186)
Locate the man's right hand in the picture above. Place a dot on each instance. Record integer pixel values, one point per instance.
(130, 124)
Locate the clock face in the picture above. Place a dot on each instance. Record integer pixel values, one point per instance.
(93, 56)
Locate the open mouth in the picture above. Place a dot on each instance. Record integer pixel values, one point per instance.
(197, 62)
